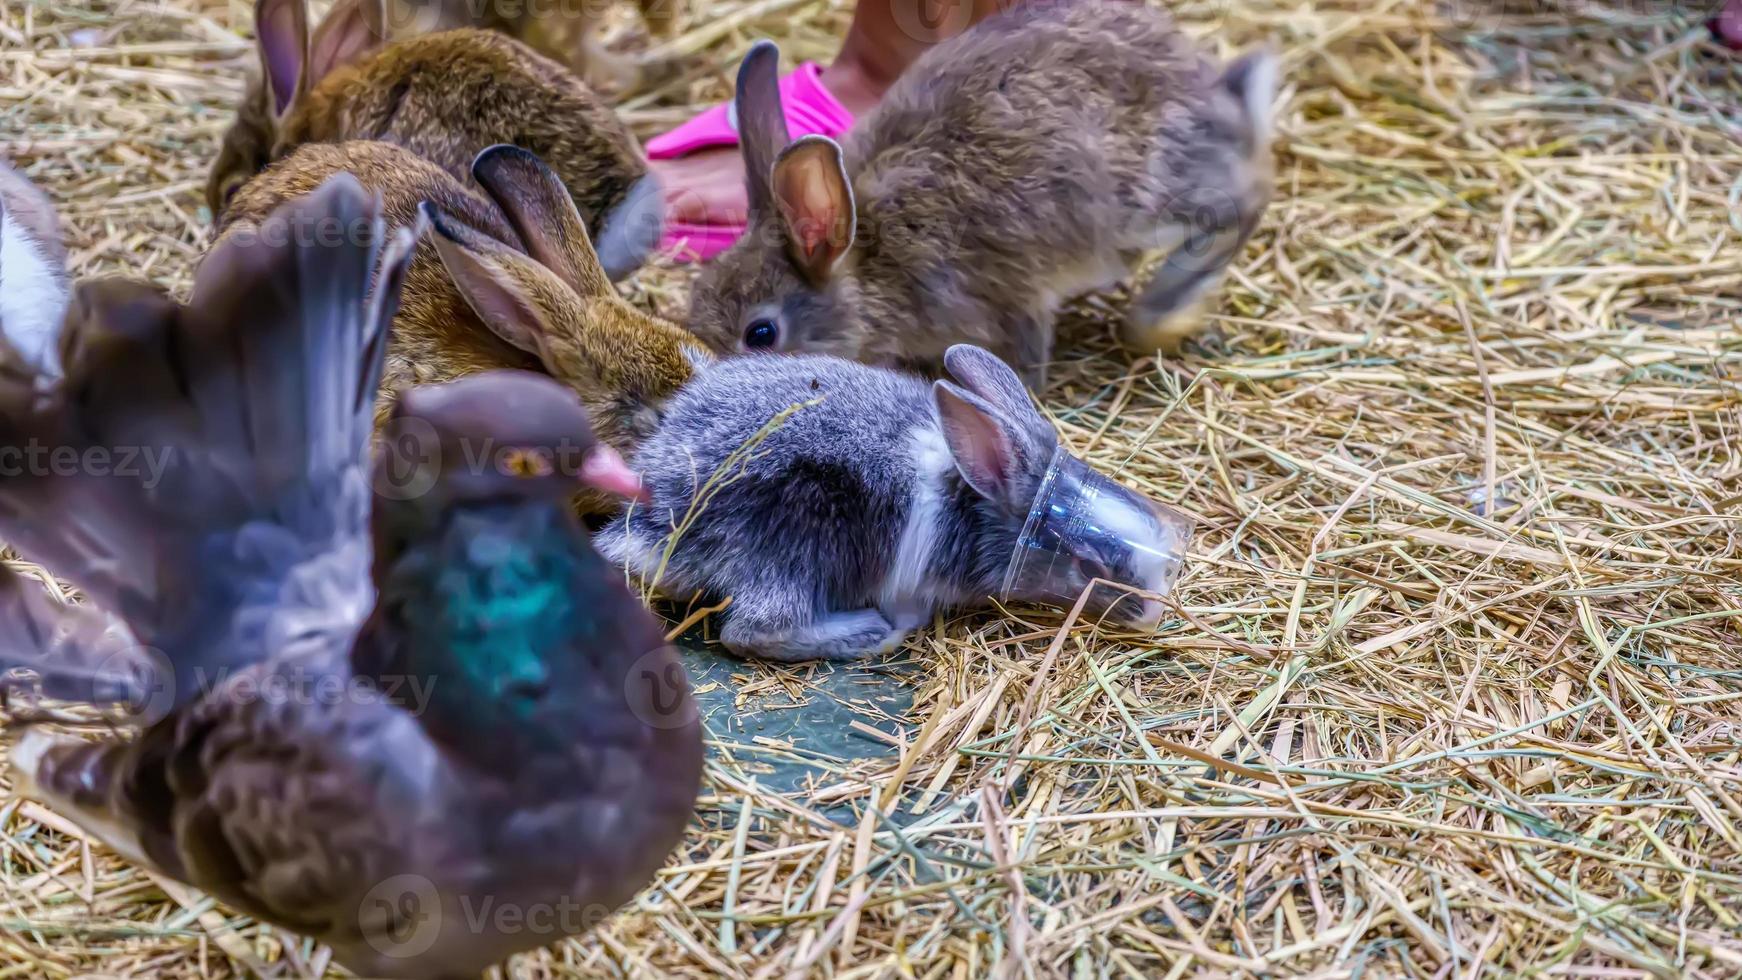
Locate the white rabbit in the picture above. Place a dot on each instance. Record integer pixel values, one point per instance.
(33, 276)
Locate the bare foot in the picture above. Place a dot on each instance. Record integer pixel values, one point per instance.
(704, 188)
(707, 187)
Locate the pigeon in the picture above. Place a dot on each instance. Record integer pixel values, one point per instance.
(404, 709)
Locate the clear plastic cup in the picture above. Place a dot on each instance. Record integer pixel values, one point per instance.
(1084, 526)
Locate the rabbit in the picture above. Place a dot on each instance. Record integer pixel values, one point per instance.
(509, 279)
(879, 500)
(354, 28)
(349, 31)
(34, 286)
(445, 97)
(565, 31)
(1036, 156)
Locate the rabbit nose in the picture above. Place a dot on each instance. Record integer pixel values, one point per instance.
(1146, 615)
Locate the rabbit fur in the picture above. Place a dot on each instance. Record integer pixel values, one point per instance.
(445, 97)
(34, 286)
(838, 504)
(1039, 155)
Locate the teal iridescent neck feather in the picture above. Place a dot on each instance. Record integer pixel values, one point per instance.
(497, 621)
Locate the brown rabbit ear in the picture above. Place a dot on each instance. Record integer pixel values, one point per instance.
(762, 132)
(281, 33)
(816, 205)
(352, 29)
(541, 211)
(500, 284)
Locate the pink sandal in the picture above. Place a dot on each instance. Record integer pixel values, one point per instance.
(809, 108)
(1727, 25)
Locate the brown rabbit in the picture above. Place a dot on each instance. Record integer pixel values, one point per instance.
(350, 30)
(1037, 156)
(354, 28)
(563, 30)
(507, 280)
(446, 97)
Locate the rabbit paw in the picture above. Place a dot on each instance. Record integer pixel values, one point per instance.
(621, 74)
(832, 636)
(1147, 330)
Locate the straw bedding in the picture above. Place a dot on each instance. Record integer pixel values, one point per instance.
(1455, 680)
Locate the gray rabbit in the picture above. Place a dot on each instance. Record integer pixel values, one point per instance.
(878, 499)
(1037, 156)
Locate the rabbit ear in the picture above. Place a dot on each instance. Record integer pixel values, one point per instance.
(761, 121)
(541, 211)
(281, 33)
(1252, 78)
(501, 285)
(979, 441)
(352, 29)
(984, 374)
(816, 205)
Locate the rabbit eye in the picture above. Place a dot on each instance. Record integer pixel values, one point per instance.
(762, 333)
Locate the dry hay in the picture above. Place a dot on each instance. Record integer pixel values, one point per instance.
(1395, 729)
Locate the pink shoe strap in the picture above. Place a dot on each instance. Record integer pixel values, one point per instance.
(1727, 25)
(809, 108)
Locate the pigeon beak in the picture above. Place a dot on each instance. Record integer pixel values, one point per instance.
(605, 470)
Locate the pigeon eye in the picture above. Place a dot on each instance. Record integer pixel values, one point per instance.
(761, 334)
(526, 463)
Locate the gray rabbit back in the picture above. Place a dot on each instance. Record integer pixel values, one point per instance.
(827, 490)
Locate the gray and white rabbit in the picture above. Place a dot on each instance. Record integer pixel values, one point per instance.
(33, 278)
(880, 499)
(1039, 155)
